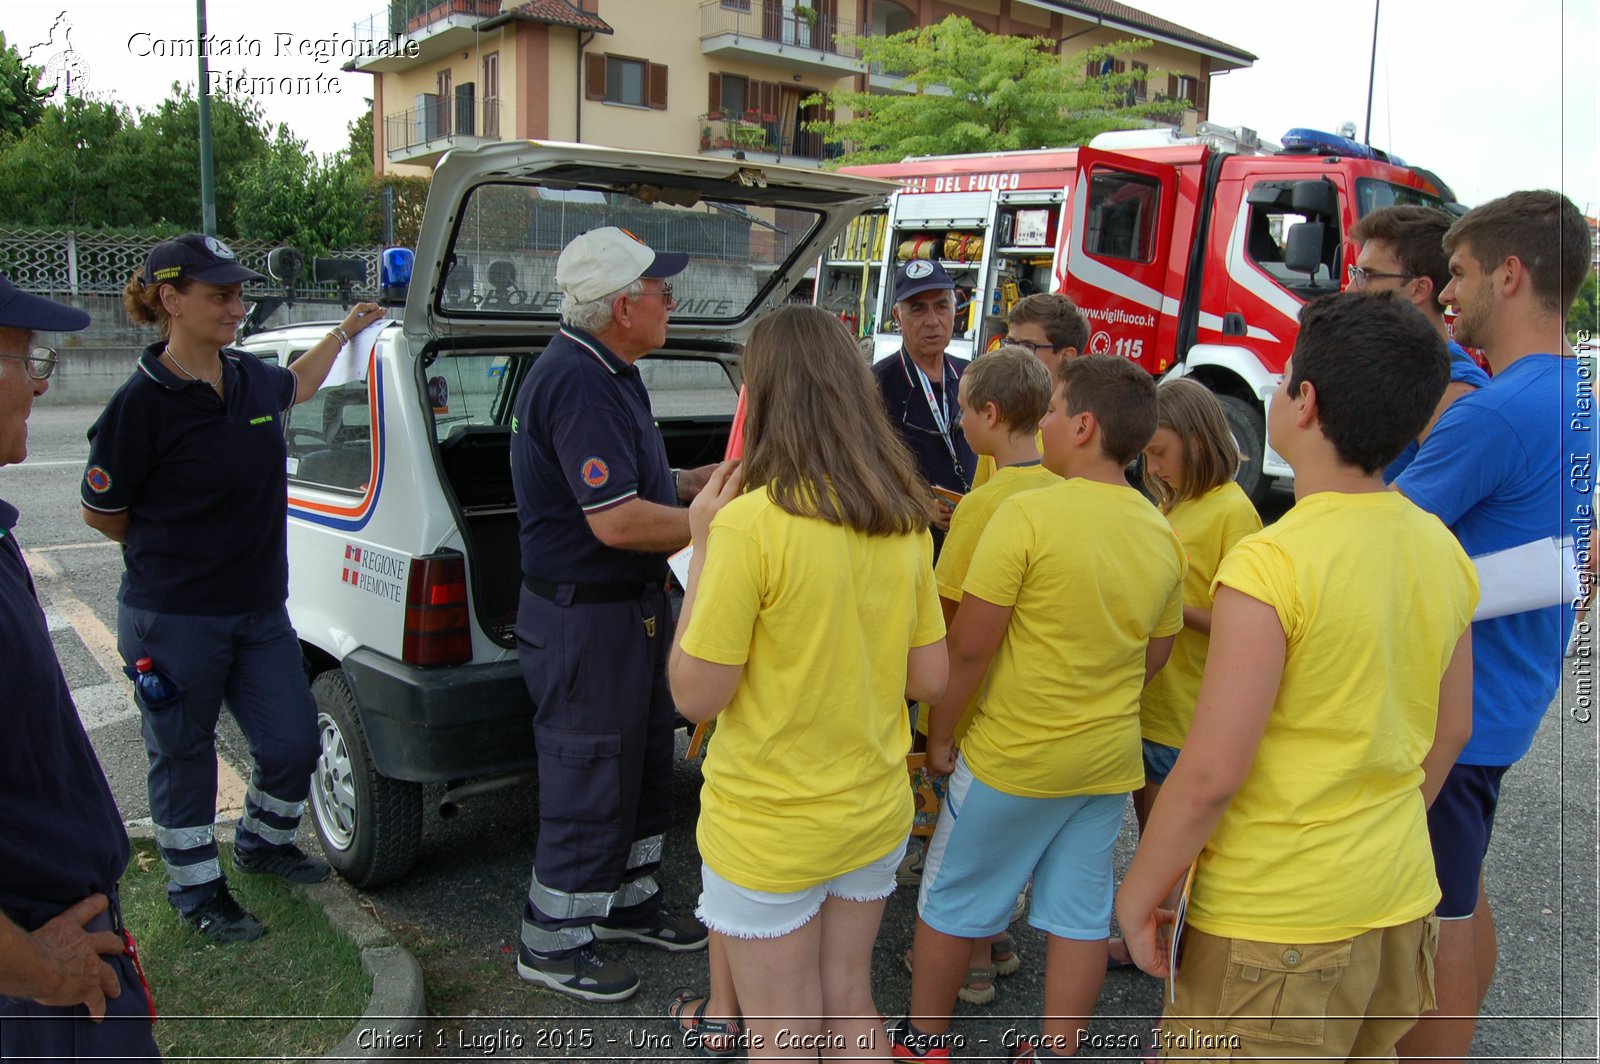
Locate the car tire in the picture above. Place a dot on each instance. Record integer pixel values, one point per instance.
(370, 825)
(1245, 422)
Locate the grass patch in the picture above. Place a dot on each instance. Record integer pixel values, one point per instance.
(294, 992)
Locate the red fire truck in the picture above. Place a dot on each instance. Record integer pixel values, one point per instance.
(1191, 256)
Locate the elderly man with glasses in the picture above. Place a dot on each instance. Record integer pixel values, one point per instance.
(598, 508)
(69, 983)
(920, 383)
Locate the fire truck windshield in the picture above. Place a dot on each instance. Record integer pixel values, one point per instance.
(1372, 193)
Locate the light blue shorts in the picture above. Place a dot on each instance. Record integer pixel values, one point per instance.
(1159, 759)
(740, 912)
(989, 842)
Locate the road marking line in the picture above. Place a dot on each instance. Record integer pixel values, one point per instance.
(25, 465)
(74, 546)
(102, 646)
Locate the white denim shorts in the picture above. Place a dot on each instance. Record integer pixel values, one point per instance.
(739, 912)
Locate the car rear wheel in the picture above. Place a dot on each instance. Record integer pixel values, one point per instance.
(370, 825)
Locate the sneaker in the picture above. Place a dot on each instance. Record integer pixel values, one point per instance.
(899, 1029)
(676, 934)
(586, 975)
(222, 919)
(909, 872)
(1020, 908)
(292, 865)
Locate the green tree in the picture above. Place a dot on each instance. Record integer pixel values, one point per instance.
(289, 196)
(1583, 320)
(21, 101)
(71, 169)
(403, 196)
(167, 179)
(977, 91)
(359, 150)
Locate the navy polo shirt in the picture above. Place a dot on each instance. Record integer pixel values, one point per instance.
(61, 837)
(202, 480)
(583, 440)
(907, 406)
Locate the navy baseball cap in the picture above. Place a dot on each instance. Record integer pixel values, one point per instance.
(920, 275)
(19, 310)
(196, 257)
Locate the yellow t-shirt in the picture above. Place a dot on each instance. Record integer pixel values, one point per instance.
(806, 777)
(1328, 837)
(966, 528)
(1093, 572)
(1208, 528)
(985, 470)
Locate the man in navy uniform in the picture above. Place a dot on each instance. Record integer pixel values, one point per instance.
(920, 382)
(69, 986)
(598, 506)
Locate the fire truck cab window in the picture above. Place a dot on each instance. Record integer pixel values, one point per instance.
(1121, 217)
(1265, 236)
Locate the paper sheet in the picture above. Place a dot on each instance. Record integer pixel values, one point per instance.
(679, 564)
(1528, 577)
(350, 364)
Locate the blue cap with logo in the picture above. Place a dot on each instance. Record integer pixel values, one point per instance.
(19, 310)
(920, 275)
(196, 257)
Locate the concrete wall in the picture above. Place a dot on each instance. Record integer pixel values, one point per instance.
(94, 363)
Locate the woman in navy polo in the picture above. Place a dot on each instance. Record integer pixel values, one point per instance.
(187, 471)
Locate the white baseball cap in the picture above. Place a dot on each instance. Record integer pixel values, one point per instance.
(603, 260)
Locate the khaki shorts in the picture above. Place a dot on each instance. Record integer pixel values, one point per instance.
(1238, 999)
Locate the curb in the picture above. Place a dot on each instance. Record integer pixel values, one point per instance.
(392, 1026)
(393, 1023)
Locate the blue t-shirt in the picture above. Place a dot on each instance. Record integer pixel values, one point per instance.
(583, 440)
(202, 479)
(1507, 465)
(61, 837)
(1462, 370)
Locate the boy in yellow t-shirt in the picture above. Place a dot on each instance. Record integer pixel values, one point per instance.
(1003, 396)
(1047, 325)
(1070, 604)
(1337, 694)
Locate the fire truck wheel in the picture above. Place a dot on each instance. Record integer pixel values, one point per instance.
(1245, 422)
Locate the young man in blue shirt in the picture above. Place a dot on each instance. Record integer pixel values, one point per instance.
(1506, 466)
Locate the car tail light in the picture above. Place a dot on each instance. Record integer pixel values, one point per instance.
(438, 630)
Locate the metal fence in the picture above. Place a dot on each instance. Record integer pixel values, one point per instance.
(71, 263)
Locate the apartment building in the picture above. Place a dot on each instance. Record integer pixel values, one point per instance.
(716, 77)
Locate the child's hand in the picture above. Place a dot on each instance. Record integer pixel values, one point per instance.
(941, 757)
(942, 512)
(1146, 943)
(721, 489)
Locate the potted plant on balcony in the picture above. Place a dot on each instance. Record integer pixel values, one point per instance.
(805, 24)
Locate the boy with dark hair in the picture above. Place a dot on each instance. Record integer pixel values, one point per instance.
(1505, 467)
(1049, 326)
(1070, 604)
(1334, 700)
(1402, 250)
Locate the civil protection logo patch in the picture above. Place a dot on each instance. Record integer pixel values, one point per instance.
(98, 479)
(917, 269)
(595, 472)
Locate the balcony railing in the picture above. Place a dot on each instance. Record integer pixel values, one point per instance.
(441, 124)
(759, 133)
(411, 17)
(778, 23)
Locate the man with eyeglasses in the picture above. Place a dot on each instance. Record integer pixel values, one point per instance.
(1048, 325)
(919, 384)
(598, 508)
(1402, 250)
(68, 988)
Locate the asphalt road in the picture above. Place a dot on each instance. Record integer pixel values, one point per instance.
(458, 909)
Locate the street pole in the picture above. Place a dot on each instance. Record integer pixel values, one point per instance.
(208, 186)
(1372, 70)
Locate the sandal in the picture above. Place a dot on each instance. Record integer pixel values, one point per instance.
(716, 1039)
(979, 986)
(1003, 952)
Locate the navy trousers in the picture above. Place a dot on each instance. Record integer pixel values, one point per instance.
(603, 719)
(252, 662)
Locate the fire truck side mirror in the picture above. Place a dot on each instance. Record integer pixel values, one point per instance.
(1317, 198)
(1302, 249)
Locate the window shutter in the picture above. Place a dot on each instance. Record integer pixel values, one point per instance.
(1091, 69)
(714, 101)
(771, 99)
(594, 77)
(657, 88)
(1172, 86)
(1202, 91)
